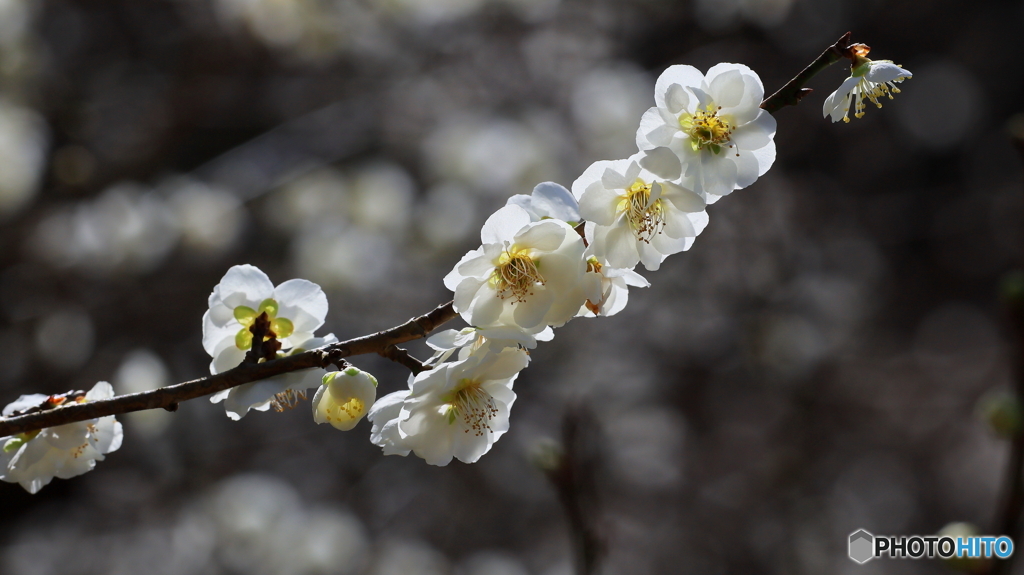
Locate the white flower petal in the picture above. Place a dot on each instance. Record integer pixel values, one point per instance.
(882, 71)
(655, 131)
(247, 280)
(531, 311)
(679, 74)
(485, 308)
(554, 201)
(503, 224)
(661, 162)
(598, 204)
(681, 198)
(620, 246)
(838, 102)
(543, 236)
(302, 302)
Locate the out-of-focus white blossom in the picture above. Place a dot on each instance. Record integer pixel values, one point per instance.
(606, 102)
(210, 219)
(870, 80)
(715, 125)
(457, 409)
(640, 214)
(447, 215)
(280, 392)
(526, 274)
(296, 309)
(336, 255)
(430, 12)
(549, 201)
(344, 398)
(23, 143)
(142, 370)
(33, 459)
(381, 198)
(310, 29)
(493, 155)
(125, 228)
(311, 200)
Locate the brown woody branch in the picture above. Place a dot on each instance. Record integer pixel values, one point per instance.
(794, 91)
(169, 397)
(401, 356)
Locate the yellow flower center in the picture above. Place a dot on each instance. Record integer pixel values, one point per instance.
(516, 275)
(279, 327)
(707, 129)
(474, 406)
(351, 410)
(645, 217)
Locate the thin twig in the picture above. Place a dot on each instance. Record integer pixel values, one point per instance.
(170, 396)
(574, 478)
(402, 357)
(794, 91)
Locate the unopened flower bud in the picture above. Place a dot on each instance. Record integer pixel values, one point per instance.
(344, 398)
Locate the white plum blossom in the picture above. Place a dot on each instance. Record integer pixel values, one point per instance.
(869, 79)
(714, 123)
(296, 309)
(34, 458)
(526, 274)
(458, 409)
(640, 213)
(607, 287)
(344, 398)
(279, 392)
(385, 415)
(549, 201)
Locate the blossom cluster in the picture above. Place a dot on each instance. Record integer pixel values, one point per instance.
(544, 259)
(561, 253)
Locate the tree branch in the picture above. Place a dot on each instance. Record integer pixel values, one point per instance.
(794, 91)
(1012, 504)
(168, 397)
(402, 356)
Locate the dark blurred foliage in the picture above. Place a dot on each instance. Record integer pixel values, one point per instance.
(810, 367)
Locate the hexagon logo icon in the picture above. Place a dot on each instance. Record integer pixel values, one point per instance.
(862, 546)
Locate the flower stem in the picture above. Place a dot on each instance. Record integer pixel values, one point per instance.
(168, 397)
(794, 91)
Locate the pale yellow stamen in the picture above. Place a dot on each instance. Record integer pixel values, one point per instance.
(474, 406)
(516, 275)
(646, 218)
(287, 399)
(707, 129)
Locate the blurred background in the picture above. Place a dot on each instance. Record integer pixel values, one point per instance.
(812, 366)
